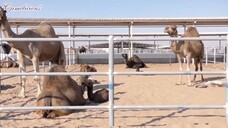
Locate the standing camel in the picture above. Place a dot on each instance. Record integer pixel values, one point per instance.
(36, 51)
(187, 49)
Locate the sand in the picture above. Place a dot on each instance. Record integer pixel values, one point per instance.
(128, 90)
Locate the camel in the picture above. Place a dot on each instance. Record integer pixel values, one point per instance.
(187, 49)
(99, 96)
(82, 49)
(8, 62)
(133, 62)
(36, 51)
(59, 91)
(84, 79)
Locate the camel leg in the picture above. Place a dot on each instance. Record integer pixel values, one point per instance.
(196, 68)
(137, 66)
(22, 69)
(181, 69)
(188, 69)
(35, 63)
(201, 69)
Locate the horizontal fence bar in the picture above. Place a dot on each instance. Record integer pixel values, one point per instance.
(173, 107)
(115, 107)
(106, 73)
(169, 73)
(51, 108)
(117, 39)
(52, 39)
(52, 73)
(169, 39)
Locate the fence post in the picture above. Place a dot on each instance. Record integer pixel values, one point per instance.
(214, 56)
(0, 68)
(226, 79)
(206, 55)
(111, 81)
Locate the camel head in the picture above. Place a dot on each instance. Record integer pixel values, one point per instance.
(125, 56)
(2, 15)
(171, 30)
(6, 48)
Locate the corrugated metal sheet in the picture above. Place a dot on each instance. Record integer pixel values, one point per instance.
(122, 44)
(121, 21)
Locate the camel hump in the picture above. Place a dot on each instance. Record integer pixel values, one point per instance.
(45, 29)
(191, 32)
(56, 68)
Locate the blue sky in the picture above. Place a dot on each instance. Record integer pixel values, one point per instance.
(119, 8)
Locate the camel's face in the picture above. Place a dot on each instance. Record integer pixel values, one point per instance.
(171, 30)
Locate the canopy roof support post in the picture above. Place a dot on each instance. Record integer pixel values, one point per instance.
(130, 43)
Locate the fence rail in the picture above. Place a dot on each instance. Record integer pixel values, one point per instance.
(111, 74)
(116, 39)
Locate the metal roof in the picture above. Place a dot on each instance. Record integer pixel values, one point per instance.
(119, 21)
(122, 44)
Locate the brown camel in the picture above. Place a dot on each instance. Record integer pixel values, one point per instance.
(36, 51)
(8, 62)
(133, 62)
(187, 49)
(59, 91)
(99, 96)
(84, 79)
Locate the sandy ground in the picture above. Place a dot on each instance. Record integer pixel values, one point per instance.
(128, 90)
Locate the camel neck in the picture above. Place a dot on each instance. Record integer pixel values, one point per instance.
(8, 33)
(90, 92)
(6, 29)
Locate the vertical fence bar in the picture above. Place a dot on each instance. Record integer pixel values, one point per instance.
(224, 54)
(0, 68)
(226, 80)
(214, 56)
(206, 55)
(111, 81)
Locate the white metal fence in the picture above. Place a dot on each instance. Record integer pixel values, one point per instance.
(111, 107)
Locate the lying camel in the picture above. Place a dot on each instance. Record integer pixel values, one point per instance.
(99, 96)
(134, 62)
(82, 49)
(59, 91)
(8, 62)
(86, 68)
